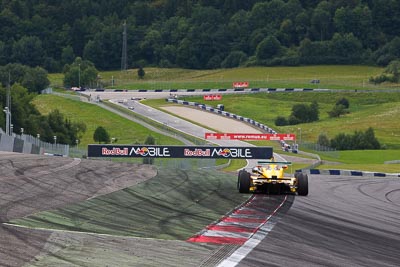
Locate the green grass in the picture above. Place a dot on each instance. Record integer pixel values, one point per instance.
(384, 168)
(126, 131)
(368, 156)
(159, 78)
(379, 111)
(158, 125)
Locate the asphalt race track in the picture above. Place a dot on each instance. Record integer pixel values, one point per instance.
(344, 221)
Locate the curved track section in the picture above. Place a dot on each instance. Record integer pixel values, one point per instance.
(345, 221)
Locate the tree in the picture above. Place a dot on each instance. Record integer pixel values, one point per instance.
(21, 107)
(104, 49)
(321, 23)
(28, 51)
(343, 101)
(300, 112)
(359, 140)
(234, 59)
(65, 130)
(101, 135)
(388, 52)
(337, 111)
(67, 55)
(394, 69)
(281, 121)
(269, 48)
(313, 113)
(3, 53)
(81, 73)
(373, 142)
(346, 48)
(141, 73)
(390, 74)
(34, 79)
(151, 46)
(306, 113)
(323, 140)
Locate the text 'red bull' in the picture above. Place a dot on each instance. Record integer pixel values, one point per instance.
(115, 151)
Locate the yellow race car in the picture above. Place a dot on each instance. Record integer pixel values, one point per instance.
(269, 177)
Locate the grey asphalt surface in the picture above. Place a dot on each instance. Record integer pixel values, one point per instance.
(344, 221)
(183, 125)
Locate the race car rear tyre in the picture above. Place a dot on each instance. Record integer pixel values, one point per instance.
(244, 182)
(302, 184)
(238, 180)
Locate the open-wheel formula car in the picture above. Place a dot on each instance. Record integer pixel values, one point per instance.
(269, 177)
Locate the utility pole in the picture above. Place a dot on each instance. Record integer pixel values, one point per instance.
(124, 48)
(79, 77)
(7, 109)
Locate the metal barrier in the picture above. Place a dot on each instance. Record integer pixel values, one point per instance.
(30, 145)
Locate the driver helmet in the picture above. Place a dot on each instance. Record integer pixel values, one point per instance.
(256, 169)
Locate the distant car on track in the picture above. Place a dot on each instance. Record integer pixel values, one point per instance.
(268, 177)
(138, 98)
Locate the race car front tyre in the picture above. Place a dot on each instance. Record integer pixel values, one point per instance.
(244, 182)
(302, 184)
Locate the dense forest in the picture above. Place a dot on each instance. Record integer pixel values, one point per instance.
(199, 34)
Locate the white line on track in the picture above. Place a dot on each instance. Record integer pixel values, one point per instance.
(250, 244)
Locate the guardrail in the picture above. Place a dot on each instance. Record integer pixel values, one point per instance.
(351, 173)
(227, 114)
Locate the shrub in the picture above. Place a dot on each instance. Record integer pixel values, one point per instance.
(101, 135)
(337, 111)
(323, 140)
(343, 101)
(281, 121)
(359, 140)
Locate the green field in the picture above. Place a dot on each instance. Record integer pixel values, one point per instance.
(367, 109)
(349, 77)
(381, 111)
(124, 130)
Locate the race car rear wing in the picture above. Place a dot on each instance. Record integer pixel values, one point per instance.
(274, 162)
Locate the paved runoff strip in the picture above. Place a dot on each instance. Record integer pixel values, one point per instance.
(241, 226)
(250, 244)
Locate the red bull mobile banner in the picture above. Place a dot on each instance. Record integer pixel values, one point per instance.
(153, 151)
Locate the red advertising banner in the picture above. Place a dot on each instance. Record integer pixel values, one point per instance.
(240, 84)
(212, 97)
(250, 136)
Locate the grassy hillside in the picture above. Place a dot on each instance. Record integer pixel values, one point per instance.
(159, 78)
(377, 110)
(380, 111)
(126, 131)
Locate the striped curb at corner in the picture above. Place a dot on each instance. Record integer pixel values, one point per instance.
(240, 225)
